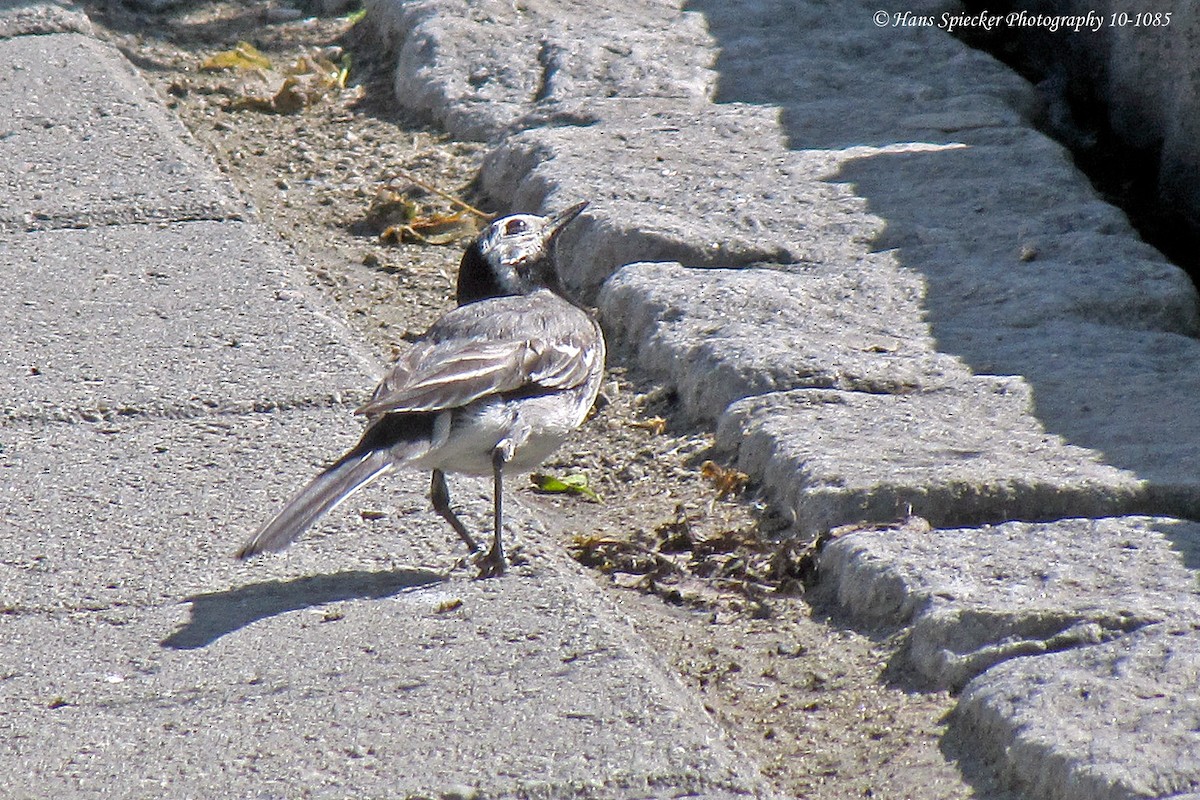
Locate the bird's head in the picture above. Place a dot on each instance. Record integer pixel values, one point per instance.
(513, 255)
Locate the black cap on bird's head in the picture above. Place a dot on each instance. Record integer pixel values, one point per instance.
(513, 255)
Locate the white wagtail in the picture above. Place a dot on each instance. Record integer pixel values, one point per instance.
(497, 383)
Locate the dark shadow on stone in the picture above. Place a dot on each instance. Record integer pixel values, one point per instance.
(959, 747)
(1018, 273)
(215, 614)
(1184, 539)
(1002, 261)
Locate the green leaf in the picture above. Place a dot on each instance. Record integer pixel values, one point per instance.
(576, 483)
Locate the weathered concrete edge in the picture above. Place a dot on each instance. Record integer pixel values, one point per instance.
(51, 16)
(175, 182)
(1061, 725)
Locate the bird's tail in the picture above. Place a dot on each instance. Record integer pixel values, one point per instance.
(353, 471)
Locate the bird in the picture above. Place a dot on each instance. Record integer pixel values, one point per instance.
(495, 384)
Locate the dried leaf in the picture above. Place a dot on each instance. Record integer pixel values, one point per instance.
(576, 483)
(457, 201)
(290, 98)
(243, 56)
(656, 425)
(728, 481)
(343, 73)
(434, 229)
(308, 81)
(445, 228)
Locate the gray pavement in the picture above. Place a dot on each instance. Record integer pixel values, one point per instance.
(843, 244)
(855, 256)
(171, 379)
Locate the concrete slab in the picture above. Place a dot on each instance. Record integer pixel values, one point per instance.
(850, 80)
(1032, 248)
(1113, 721)
(92, 513)
(721, 335)
(509, 688)
(972, 598)
(34, 18)
(84, 141)
(139, 656)
(967, 455)
(171, 320)
(478, 68)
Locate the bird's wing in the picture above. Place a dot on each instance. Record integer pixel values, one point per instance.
(471, 356)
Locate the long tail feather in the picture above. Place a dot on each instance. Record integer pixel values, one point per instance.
(353, 471)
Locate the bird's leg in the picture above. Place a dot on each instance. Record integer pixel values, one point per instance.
(493, 563)
(439, 493)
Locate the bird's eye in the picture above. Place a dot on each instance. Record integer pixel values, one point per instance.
(514, 227)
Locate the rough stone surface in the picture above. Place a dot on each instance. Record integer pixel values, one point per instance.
(962, 456)
(479, 68)
(1035, 247)
(85, 142)
(353, 697)
(701, 185)
(147, 300)
(1118, 720)
(833, 140)
(972, 598)
(1137, 67)
(127, 495)
(28, 18)
(867, 209)
(851, 81)
(139, 658)
(1123, 393)
(722, 335)
(132, 633)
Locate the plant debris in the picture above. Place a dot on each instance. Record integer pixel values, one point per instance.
(399, 219)
(737, 569)
(432, 229)
(728, 481)
(656, 425)
(576, 483)
(306, 82)
(243, 56)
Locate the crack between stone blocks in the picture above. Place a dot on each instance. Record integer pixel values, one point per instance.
(547, 59)
(58, 224)
(180, 412)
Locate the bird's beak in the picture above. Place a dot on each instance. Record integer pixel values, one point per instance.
(561, 220)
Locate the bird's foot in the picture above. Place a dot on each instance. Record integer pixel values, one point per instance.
(491, 564)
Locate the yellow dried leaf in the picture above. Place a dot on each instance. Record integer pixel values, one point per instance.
(434, 229)
(291, 97)
(243, 56)
(306, 82)
(656, 425)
